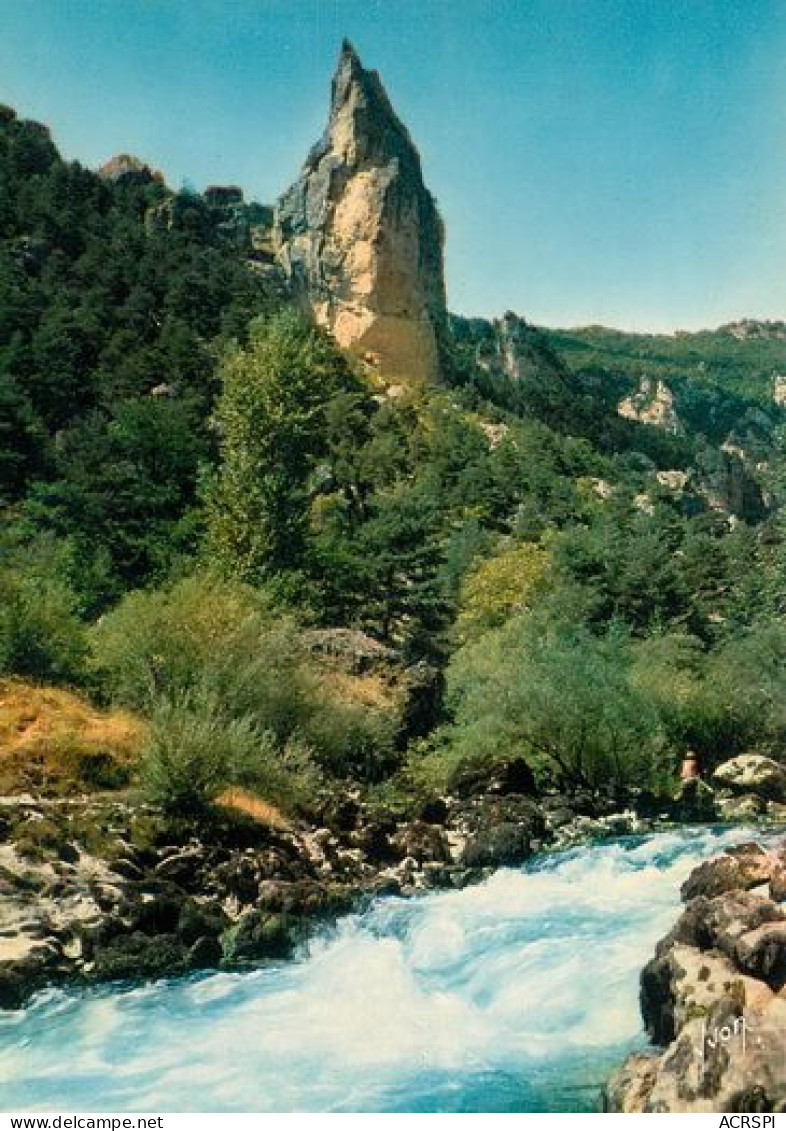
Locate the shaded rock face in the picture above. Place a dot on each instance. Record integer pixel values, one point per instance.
(359, 235)
(522, 352)
(729, 487)
(512, 349)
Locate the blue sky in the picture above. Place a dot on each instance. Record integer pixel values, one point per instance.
(614, 161)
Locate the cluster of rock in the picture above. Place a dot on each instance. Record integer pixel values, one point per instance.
(100, 889)
(714, 996)
(652, 403)
(146, 902)
(746, 787)
(727, 482)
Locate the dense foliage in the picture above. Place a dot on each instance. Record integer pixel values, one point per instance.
(193, 482)
(114, 298)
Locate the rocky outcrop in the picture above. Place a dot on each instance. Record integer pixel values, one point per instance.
(511, 349)
(652, 403)
(779, 389)
(359, 235)
(98, 888)
(714, 996)
(744, 788)
(753, 773)
(125, 169)
(749, 786)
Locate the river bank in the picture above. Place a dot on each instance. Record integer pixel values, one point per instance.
(713, 998)
(100, 888)
(105, 888)
(518, 993)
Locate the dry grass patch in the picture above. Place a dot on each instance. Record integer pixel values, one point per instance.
(55, 742)
(241, 801)
(371, 689)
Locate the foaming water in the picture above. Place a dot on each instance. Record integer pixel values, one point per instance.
(519, 994)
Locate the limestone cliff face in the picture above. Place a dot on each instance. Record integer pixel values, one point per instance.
(511, 348)
(359, 235)
(652, 403)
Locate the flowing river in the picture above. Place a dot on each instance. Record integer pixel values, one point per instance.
(517, 995)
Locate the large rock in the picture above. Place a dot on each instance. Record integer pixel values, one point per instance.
(259, 934)
(732, 871)
(762, 954)
(722, 1061)
(685, 982)
(753, 773)
(504, 776)
(739, 807)
(497, 846)
(359, 235)
(713, 997)
(499, 831)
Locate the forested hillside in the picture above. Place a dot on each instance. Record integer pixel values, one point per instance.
(719, 377)
(115, 297)
(295, 574)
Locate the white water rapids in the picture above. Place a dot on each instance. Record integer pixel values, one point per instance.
(518, 994)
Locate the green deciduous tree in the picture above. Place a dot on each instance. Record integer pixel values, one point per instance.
(41, 634)
(271, 422)
(558, 696)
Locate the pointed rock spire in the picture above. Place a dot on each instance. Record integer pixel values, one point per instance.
(348, 56)
(359, 234)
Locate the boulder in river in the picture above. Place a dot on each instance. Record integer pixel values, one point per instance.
(752, 774)
(499, 831)
(714, 996)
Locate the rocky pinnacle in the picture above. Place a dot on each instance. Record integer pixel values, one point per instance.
(359, 234)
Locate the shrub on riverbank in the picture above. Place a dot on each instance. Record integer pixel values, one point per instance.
(202, 634)
(41, 635)
(194, 754)
(721, 702)
(558, 696)
(234, 694)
